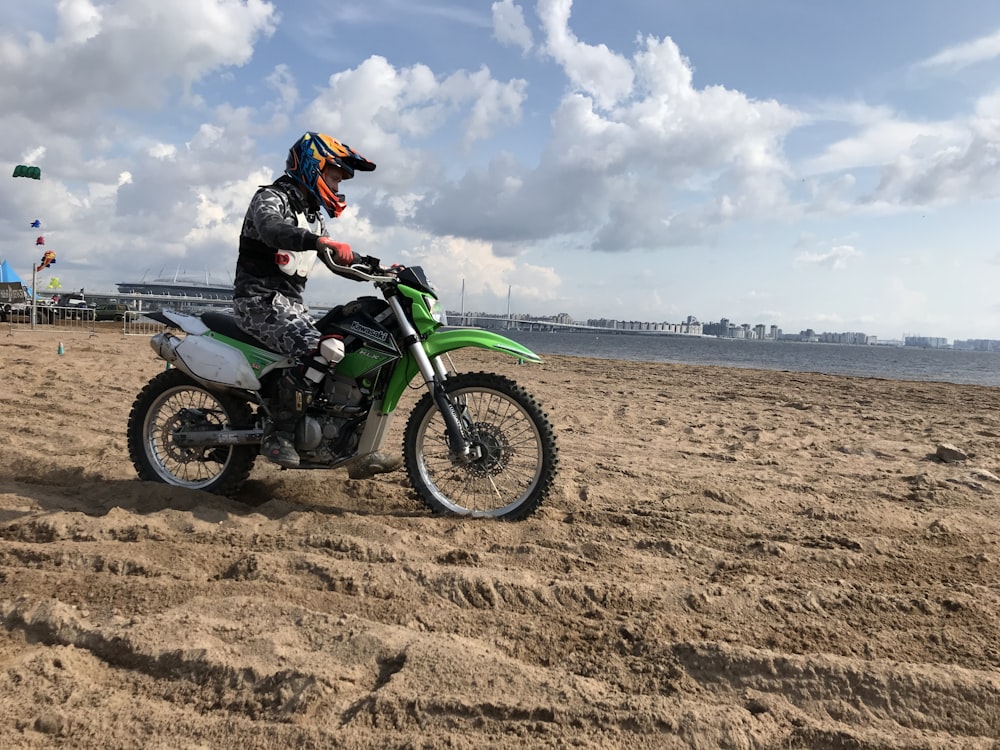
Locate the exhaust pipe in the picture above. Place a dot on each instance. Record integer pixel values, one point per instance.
(165, 346)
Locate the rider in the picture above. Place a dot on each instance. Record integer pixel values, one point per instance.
(282, 232)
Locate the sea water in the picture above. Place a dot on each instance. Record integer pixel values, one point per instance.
(890, 362)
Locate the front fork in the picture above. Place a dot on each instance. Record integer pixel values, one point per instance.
(434, 374)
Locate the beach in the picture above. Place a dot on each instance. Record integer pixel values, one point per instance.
(731, 558)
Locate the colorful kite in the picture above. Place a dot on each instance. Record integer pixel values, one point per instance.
(21, 170)
(48, 258)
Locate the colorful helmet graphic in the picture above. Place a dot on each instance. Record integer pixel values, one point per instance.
(314, 151)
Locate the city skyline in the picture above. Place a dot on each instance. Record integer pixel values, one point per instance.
(758, 331)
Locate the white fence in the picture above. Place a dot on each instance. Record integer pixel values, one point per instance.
(140, 326)
(73, 320)
(49, 319)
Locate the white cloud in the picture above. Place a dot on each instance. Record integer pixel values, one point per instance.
(916, 162)
(637, 162)
(448, 261)
(124, 55)
(79, 20)
(946, 162)
(836, 258)
(390, 106)
(219, 213)
(963, 55)
(497, 104)
(283, 82)
(509, 26)
(34, 155)
(162, 151)
(600, 73)
(879, 143)
(487, 276)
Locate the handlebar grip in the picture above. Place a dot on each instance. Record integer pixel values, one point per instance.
(373, 263)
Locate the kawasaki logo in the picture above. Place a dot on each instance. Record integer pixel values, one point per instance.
(372, 333)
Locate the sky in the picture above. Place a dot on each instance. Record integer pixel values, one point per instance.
(833, 166)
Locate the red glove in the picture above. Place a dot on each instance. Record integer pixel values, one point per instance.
(341, 251)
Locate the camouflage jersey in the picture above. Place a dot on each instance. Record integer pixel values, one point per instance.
(272, 224)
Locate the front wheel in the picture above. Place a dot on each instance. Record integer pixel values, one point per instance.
(513, 445)
(173, 402)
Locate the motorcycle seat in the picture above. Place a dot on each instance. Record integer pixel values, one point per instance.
(225, 324)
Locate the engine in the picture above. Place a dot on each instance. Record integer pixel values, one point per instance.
(321, 435)
(342, 394)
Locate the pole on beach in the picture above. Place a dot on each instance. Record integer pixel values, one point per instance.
(34, 296)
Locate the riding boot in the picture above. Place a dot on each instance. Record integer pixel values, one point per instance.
(293, 398)
(365, 467)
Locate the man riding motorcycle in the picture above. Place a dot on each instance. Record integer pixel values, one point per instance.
(282, 232)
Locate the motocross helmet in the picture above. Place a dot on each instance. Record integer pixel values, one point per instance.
(311, 154)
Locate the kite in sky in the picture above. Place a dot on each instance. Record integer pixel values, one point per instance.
(48, 258)
(22, 170)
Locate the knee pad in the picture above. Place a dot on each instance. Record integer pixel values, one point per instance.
(331, 348)
(329, 352)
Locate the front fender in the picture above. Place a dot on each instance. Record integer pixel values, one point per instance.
(442, 342)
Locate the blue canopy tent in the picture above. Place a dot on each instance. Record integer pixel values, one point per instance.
(9, 275)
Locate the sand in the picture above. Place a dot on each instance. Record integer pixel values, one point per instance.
(731, 558)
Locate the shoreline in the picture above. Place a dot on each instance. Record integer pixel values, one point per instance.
(106, 330)
(908, 364)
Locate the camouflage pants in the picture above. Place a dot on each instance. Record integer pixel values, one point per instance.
(281, 325)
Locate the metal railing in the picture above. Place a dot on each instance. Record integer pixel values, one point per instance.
(49, 319)
(140, 326)
(70, 319)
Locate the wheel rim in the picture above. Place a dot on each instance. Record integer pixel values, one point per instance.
(510, 451)
(185, 408)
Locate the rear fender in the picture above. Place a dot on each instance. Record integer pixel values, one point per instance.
(207, 359)
(442, 342)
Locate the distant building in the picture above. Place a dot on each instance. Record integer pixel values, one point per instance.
(978, 345)
(179, 286)
(855, 338)
(925, 342)
(725, 328)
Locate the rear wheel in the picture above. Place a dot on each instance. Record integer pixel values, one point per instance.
(512, 440)
(173, 402)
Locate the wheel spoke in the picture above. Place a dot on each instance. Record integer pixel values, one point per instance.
(173, 403)
(509, 448)
(185, 409)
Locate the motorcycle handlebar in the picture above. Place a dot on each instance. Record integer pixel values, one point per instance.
(368, 262)
(363, 267)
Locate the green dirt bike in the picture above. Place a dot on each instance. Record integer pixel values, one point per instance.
(476, 444)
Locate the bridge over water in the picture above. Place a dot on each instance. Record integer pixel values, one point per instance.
(536, 324)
